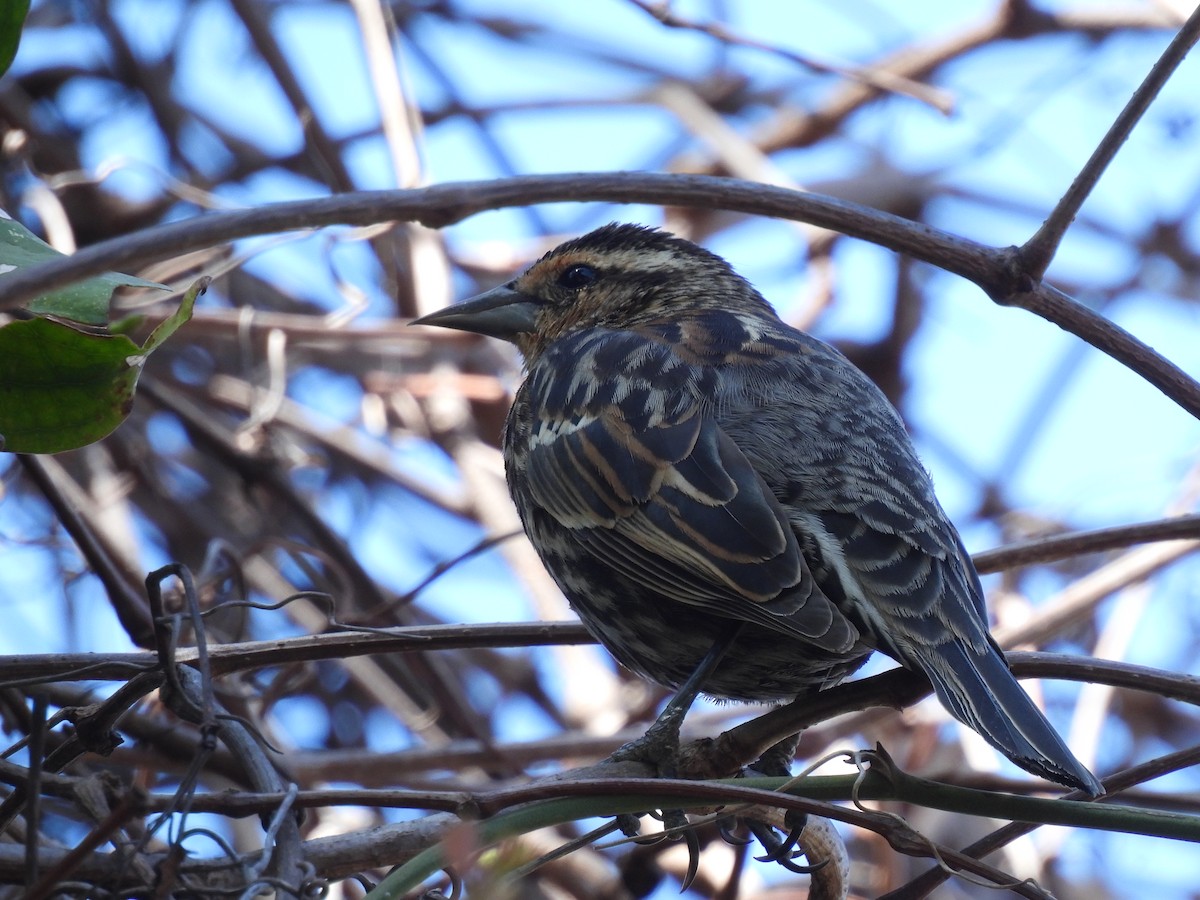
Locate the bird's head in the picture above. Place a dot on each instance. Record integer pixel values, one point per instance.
(618, 276)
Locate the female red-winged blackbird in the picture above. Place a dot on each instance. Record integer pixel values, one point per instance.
(694, 471)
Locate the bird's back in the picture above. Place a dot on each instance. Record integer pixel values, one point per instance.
(837, 456)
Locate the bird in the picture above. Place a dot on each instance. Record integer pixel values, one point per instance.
(729, 505)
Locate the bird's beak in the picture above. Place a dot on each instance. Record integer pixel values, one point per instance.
(500, 313)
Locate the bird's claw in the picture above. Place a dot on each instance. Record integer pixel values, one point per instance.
(629, 824)
(675, 822)
(733, 832)
(784, 850)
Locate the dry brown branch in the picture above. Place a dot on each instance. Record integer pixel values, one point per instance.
(331, 477)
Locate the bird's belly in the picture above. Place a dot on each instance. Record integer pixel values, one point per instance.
(665, 640)
(761, 665)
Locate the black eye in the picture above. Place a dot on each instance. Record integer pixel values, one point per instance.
(577, 277)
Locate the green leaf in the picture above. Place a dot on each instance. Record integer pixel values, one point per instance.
(84, 301)
(12, 18)
(62, 388)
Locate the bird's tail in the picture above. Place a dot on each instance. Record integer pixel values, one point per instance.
(978, 688)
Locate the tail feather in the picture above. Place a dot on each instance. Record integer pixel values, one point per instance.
(978, 688)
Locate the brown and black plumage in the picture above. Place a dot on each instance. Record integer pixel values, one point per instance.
(686, 463)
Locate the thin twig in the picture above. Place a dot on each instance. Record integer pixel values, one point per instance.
(127, 603)
(439, 205)
(1065, 546)
(33, 799)
(871, 76)
(51, 880)
(444, 204)
(1038, 251)
(1070, 315)
(930, 880)
(1076, 601)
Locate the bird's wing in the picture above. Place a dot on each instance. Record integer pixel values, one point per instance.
(627, 456)
(927, 612)
(836, 454)
(882, 548)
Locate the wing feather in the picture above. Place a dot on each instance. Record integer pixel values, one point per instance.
(670, 501)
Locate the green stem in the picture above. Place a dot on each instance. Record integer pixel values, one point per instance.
(607, 797)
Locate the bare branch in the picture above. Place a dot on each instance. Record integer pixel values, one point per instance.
(1035, 255)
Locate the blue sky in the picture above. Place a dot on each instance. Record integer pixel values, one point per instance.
(1112, 449)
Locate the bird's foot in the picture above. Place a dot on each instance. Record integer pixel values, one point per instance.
(776, 762)
(658, 747)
